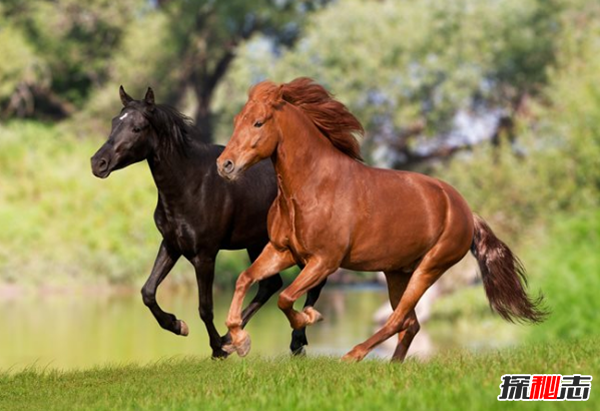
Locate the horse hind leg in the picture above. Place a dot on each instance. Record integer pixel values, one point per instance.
(406, 337)
(397, 283)
(403, 320)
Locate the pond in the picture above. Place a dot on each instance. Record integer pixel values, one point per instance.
(68, 331)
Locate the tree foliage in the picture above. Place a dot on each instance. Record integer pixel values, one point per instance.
(69, 41)
(408, 69)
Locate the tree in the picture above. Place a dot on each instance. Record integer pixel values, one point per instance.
(412, 70)
(68, 45)
(185, 48)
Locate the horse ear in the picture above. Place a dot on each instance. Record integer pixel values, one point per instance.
(278, 96)
(125, 98)
(149, 98)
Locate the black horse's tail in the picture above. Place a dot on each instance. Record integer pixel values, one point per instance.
(504, 277)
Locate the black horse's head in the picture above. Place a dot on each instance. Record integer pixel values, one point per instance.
(132, 136)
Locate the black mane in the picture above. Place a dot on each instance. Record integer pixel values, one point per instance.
(175, 130)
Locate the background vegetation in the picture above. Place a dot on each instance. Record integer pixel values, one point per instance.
(499, 98)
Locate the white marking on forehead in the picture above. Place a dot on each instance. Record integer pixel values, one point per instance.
(123, 116)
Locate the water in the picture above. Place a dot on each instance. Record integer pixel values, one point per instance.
(78, 331)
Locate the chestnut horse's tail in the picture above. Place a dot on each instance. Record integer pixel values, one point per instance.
(504, 277)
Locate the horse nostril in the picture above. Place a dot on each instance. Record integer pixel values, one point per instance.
(102, 164)
(228, 166)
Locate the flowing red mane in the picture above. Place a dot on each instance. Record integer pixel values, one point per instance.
(330, 116)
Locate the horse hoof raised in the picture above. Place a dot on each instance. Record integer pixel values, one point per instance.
(313, 315)
(243, 344)
(183, 328)
(240, 344)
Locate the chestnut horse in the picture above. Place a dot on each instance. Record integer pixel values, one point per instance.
(334, 211)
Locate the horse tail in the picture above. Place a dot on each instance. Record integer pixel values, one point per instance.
(504, 277)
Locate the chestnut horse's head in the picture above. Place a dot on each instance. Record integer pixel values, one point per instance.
(255, 135)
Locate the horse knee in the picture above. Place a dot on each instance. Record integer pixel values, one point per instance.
(285, 302)
(148, 296)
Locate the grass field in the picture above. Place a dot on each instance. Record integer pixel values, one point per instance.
(454, 380)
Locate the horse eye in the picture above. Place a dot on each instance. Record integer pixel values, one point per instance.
(258, 124)
(137, 129)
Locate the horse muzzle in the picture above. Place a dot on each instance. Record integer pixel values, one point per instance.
(227, 169)
(100, 166)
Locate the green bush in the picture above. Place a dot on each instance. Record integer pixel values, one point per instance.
(60, 224)
(568, 263)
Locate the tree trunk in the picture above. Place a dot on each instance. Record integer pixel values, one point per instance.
(204, 85)
(203, 116)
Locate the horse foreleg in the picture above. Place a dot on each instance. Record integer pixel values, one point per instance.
(266, 288)
(315, 272)
(165, 260)
(205, 274)
(299, 336)
(269, 263)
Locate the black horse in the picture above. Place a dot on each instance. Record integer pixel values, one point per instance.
(198, 213)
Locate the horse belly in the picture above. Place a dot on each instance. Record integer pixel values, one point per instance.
(403, 222)
(388, 248)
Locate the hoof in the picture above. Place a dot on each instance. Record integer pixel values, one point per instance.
(354, 356)
(313, 315)
(228, 348)
(219, 354)
(299, 352)
(349, 358)
(183, 328)
(241, 344)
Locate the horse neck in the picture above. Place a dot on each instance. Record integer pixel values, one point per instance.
(172, 171)
(303, 154)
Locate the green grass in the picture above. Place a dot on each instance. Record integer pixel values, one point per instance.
(455, 380)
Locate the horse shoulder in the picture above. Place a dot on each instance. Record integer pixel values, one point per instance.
(278, 222)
